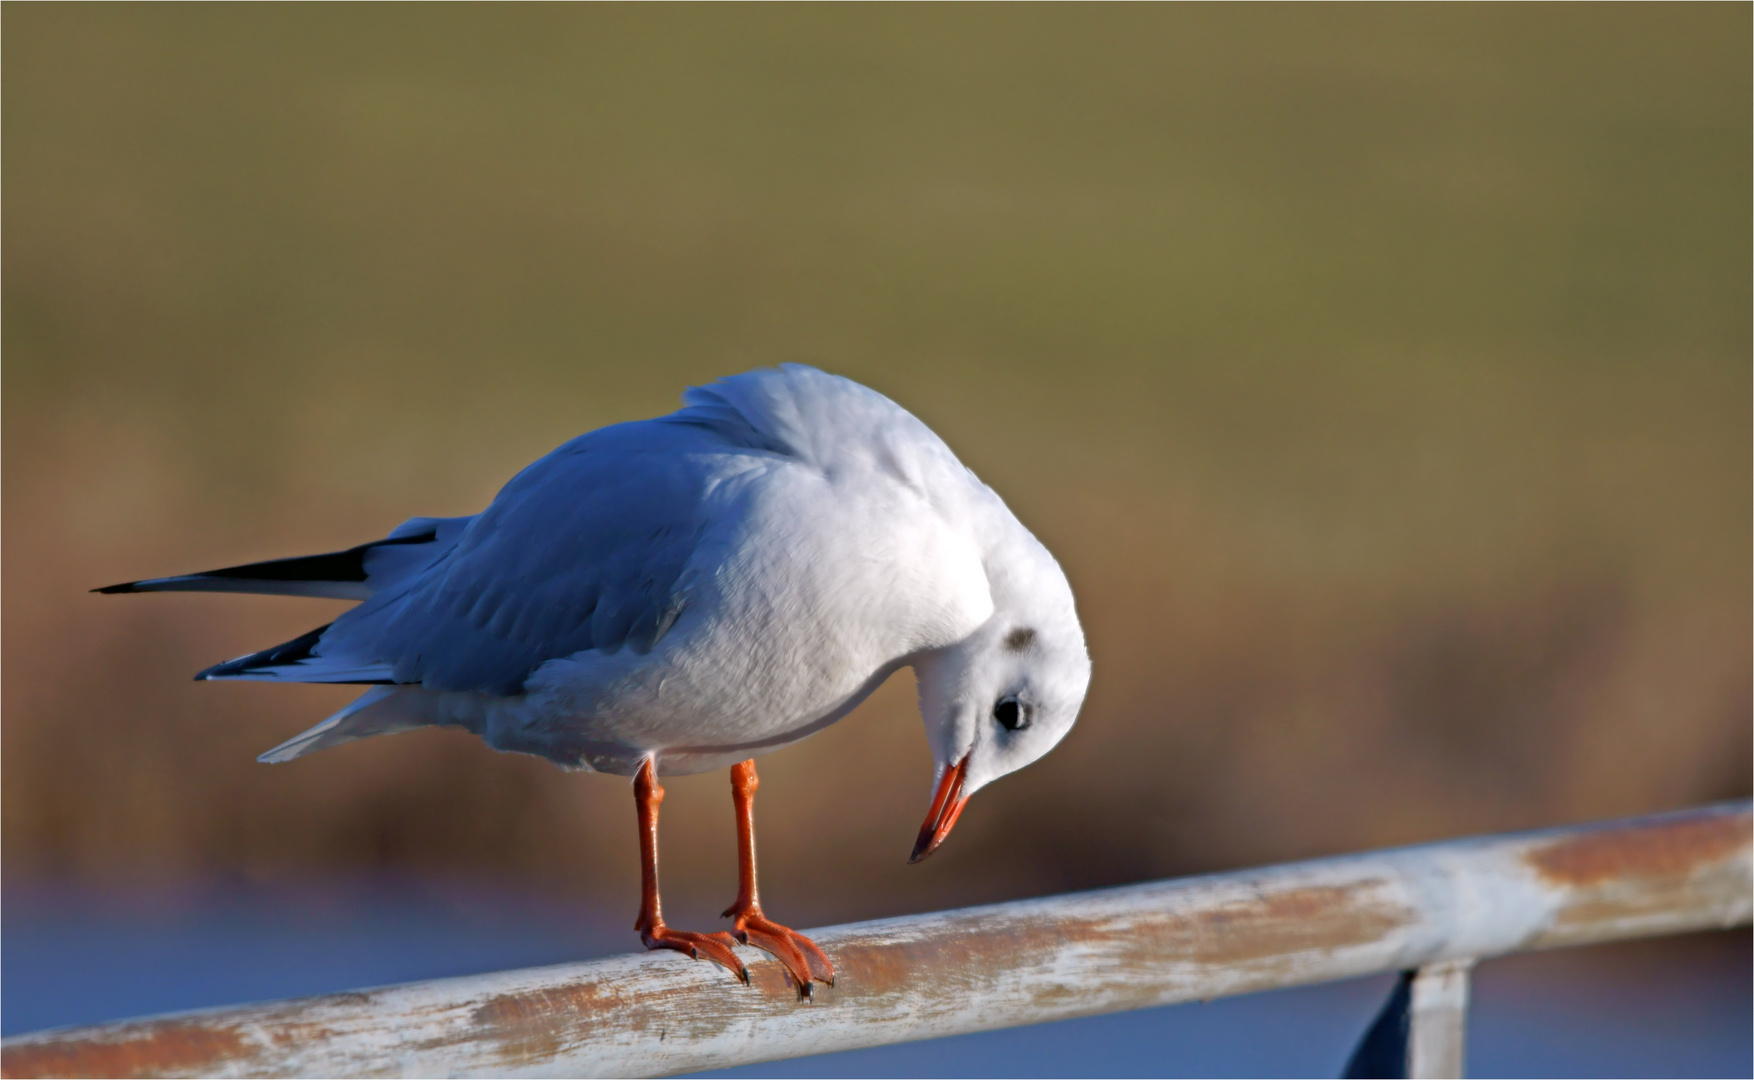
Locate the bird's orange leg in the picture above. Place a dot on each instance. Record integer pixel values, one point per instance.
(647, 796)
(800, 955)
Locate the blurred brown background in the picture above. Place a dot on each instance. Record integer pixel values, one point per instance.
(1379, 374)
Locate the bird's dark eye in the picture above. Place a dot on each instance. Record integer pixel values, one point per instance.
(1011, 714)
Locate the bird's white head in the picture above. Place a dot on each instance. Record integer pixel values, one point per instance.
(1008, 693)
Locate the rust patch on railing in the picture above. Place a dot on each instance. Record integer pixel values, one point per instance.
(1278, 927)
(533, 1026)
(165, 1047)
(1280, 924)
(1670, 849)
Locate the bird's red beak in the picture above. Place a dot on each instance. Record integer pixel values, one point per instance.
(947, 804)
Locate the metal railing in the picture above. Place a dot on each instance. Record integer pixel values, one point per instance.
(1429, 912)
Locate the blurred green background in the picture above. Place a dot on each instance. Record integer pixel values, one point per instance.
(1379, 374)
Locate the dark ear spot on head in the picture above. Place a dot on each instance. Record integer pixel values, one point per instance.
(1019, 639)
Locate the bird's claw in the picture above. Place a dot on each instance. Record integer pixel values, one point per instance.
(801, 956)
(715, 947)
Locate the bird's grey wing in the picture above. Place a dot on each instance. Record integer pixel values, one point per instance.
(585, 549)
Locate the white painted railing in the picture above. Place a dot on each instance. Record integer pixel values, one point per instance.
(1429, 911)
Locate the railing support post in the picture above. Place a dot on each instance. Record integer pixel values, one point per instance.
(1437, 1028)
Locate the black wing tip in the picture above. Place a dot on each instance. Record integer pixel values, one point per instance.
(336, 567)
(285, 654)
(207, 674)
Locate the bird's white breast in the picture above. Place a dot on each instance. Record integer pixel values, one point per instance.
(816, 586)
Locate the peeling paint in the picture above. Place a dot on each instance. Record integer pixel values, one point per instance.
(165, 1047)
(1671, 849)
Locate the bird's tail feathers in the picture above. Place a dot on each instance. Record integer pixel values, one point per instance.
(382, 710)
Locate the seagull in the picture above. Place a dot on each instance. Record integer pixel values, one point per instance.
(682, 594)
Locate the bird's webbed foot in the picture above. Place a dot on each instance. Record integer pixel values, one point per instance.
(801, 956)
(715, 947)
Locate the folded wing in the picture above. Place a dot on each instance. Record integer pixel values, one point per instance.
(585, 549)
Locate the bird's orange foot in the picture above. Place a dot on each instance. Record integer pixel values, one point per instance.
(715, 947)
(800, 955)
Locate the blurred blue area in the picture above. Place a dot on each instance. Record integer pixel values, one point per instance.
(1679, 1007)
(69, 956)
